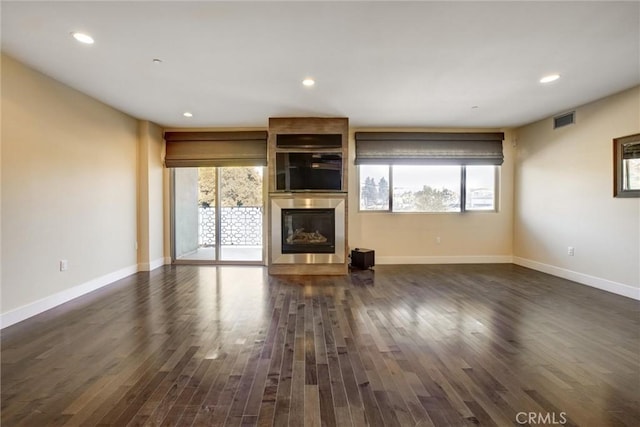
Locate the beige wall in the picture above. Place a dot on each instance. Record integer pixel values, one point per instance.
(564, 197)
(410, 238)
(156, 196)
(68, 188)
(150, 196)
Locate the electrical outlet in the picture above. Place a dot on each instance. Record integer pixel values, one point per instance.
(438, 240)
(64, 265)
(571, 251)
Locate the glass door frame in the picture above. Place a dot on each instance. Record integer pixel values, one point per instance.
(218, 225)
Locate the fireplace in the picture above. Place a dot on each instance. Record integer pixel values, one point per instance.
(308, 176)
(308, 230)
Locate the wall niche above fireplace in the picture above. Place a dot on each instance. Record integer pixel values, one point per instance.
(308, 195)
(308, 154)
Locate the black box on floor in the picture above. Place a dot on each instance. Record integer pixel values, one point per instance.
(363, 258)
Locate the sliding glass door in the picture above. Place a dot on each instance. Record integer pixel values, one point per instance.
(217, 214)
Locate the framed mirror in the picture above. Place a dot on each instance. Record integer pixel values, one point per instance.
(626, 166)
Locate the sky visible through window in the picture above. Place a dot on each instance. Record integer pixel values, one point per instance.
(413, 178)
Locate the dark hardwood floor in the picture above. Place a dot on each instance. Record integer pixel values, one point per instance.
(442, 345)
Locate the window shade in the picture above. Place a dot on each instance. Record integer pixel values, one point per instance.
(195, 149)
(631, 151)
(429, 148)
(630, 146)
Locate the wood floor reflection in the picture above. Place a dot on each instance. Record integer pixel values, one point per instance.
(431, 345)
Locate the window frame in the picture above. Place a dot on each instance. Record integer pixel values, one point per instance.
(463, 193)
(619, 166)
(496, 191)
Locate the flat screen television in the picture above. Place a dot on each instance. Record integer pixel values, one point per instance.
(308, 171)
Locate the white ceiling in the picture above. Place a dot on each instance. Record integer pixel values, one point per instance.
(381, 64)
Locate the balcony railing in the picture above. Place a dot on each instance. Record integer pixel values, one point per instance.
(239, 226)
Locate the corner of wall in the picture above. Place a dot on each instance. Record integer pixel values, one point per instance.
(78, 165)
(563, 198)
(151, 218)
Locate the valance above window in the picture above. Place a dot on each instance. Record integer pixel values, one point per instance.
(429, 148)
(197, 149)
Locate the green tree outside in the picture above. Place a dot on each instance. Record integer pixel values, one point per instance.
(369, 192)
(383, 191)
(241, 186)
(434, 200)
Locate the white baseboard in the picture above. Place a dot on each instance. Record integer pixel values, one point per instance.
(471, 259)
(148, 266)
(584, 279)
(29, 310)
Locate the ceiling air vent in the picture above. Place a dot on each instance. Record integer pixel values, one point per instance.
(564, 120)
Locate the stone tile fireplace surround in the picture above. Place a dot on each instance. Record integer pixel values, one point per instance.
(300, 238)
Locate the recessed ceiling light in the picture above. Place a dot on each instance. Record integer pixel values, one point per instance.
(308, 82)
(157, 61)
(187, 114)
(83, 38)
(550, 78)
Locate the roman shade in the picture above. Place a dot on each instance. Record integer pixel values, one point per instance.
(631, 151)
(630, 146)
(196, 149)
(429, 148)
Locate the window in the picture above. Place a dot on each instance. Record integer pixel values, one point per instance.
(428, 171)
(374, 188)
(626, 166)
(428, 188)
(480, 188)
(631, 173)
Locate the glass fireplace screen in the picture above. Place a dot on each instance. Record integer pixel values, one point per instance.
(307, 231)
